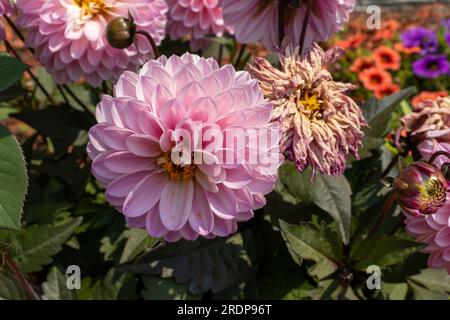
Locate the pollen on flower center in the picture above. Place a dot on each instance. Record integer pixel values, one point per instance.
(174, 171)
(433, 190)
(90, 7)
(309, 102)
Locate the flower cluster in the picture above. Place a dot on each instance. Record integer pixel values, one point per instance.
(431, 64)
(258, 20)
(321, 125)
(69, 36)
(139, 131)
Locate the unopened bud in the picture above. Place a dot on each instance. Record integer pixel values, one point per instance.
(120, 32)
(421, 188)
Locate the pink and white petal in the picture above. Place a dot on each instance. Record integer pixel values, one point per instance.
(176, 204)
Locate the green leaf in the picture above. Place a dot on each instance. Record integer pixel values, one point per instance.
(379, 113)
(61, 124)
(13, 181)
(383, 251)
(11, 70)
(321, 245)
(331, 194)
(138, 240)
(55, 288)
(109, 288)
(10, 289)
(431, 284)
(165, 289)
(33, 247)
(333, 289)
(213, 265)
(394, 291)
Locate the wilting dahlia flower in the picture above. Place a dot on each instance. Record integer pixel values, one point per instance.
(5, 8)
(433, 230)
(320, 124)
(255, 20)
(429, 127)
(69, 35)
(135, 147)
(199, 18)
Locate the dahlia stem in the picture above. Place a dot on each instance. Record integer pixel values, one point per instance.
(20, 277)
(281, 30)
(29, 72)
(390, 166)
(438, 154)
(240, 54)
(152, 42)
(305, 26)
(16, 30)
(220, 56)
(383, 213)
(81, 103)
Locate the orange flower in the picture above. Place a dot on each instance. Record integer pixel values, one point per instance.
(387, 31)
(362, 63)
(351, 42)
(402, 49)
(427, 95)
(375, 78)
(387, 58)
(387, 91)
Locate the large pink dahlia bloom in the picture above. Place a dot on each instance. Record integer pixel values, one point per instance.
(199, 18)
(5, 8)
(321, 125)
(433, 230)
(138, 135)
(255, 20)
(69, 36)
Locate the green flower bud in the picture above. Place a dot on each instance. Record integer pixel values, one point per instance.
(120, 32)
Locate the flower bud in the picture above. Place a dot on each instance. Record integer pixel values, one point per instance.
(120, 32)
(421, 188)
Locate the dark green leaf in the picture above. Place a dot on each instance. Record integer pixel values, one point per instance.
(10, 289)
(34, 247)
(11, 70)
(13, 181)
(331, 194)
(55, 288)
(205, 264)
(383, 251)
(320, 245)
(165, 289)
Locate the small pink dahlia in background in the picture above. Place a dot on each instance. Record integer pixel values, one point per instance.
(321, 125)
(139, 131)
(433, 230)
(429, 127)
(5, 8)
(257, 20)
(69, 36)
(198, 18)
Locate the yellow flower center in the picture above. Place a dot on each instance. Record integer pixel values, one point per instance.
(310, 103)
(176, 172)
(90, 7)
(432, 192)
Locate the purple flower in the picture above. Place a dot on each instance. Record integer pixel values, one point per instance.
(420, 37)
(431, 66)
(447, 38)
(446, 23)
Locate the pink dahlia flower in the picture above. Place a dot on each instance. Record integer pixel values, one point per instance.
(5, 8)
(69, 36)
(135, 147)
(199, 18)
(320, 124)
(255, 20)
(429, 127)
(433, 230)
